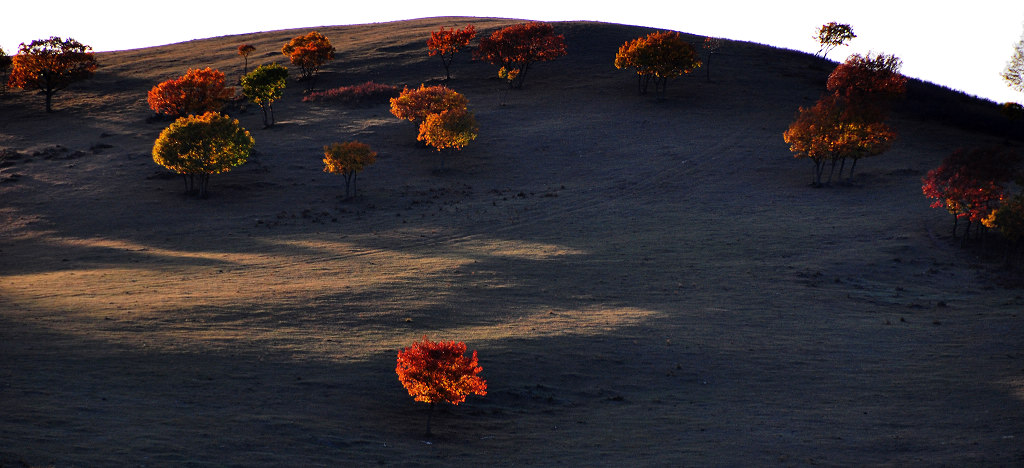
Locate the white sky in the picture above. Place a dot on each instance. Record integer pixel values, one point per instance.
(961, 44)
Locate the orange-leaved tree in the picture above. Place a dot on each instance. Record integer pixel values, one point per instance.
(51, 65)
(194, 93)
(439, 372)
(831, 35)
(309, 52)
(348, 159)
(826, 133)
(448, 42)
(200, 145)
(450, 129)
(516, 47)
(244, 50)
(416, 104)
(657, 57)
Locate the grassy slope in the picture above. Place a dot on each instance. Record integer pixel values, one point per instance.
(647, 281)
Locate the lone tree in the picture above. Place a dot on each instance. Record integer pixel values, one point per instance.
(309, 53)
(196, 92)
(198, 146)
(657, 57)
(517, 47)
(51, 65)
(263, 86)
(831, 35)
(447, 43)
(439, 372)
(415, 105)
(711, 47)
(450, 129)
(5, 67)
(1014, 71)
(244, 50)
(348, 159)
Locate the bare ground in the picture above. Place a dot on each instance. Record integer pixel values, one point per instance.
(647, 281)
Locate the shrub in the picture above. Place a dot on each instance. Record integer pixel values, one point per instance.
(657, 57)
(198, 146)
(517, 47)
(416, 104)
(196, 92)
(51, 65)
(263, 86)
(447, 43)
(348, 159)
(439, 372)
(361, 94)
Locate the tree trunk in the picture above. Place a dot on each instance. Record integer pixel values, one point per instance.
(430, 413)
(49, 99)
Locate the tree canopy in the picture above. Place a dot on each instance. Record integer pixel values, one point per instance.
(264, 85)
(446, 43)
(309, 52)
(657, 57)
(50, 65)
(196, 92)
(516, 47)
(197, 146)
(831, 35)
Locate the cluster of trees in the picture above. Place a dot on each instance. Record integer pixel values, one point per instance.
(983, 188)
(847, 123)
(974, 186)
(443, 115)
(513, 49)
(658, 57)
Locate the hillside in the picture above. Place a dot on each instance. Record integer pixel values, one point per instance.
(647, 282)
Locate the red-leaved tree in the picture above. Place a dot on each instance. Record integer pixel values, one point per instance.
(517, 47)
(970, 184)
(869, 83)
(51, 65)
(445, 43)
(194, 93)
(439, 372)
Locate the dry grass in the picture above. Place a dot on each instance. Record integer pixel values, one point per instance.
(647, 282)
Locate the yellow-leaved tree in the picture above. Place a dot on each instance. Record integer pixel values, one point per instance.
(348, 159)
(197, 146)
